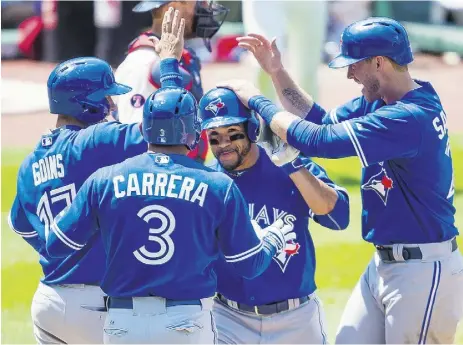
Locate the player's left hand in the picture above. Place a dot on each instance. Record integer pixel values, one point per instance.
(244, 90)
(172, 41)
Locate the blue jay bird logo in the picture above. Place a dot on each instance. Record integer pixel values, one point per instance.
(381, 184)
(215, 106)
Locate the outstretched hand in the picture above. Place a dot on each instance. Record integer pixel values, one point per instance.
(172, 41)
(265, 52)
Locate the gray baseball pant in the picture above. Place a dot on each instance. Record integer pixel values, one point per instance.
(150, 320)
(60, 314)
(303, 324)
(413, 301)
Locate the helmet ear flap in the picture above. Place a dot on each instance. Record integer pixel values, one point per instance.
(253, 127)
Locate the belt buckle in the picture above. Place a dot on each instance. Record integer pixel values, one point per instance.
(256, 310)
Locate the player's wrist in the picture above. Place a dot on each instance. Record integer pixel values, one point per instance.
(170, 72)
(293, 166)
(264, 107)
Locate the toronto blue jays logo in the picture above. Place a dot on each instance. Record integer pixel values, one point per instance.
(215, 106)
(283, 258)
(381, 184)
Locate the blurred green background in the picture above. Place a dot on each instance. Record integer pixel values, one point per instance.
(341, 256)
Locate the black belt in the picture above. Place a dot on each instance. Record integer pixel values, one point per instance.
(127, 303)
(265, 309)
(408, 253)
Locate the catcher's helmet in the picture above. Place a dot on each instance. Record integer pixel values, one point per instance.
(207, 20)
(170, 117)
(79, 87)
(221, 107)
(377, 36)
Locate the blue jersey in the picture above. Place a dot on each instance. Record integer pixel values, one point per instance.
(407, 180)
(292, 272)
(48, 180)
(163, 220)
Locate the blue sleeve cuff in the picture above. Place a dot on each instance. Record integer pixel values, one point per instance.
(264, 107)
(316, 114)
(338, 218)
(170, 73)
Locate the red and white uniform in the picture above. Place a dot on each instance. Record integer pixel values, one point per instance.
(140, 70)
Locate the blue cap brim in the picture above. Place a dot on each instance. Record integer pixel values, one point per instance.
(145, 6)
(341, 61)
(118, 89)
(219, 121)
(114, 90)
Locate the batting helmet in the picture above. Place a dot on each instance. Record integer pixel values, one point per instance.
(79, 87)
(221, 107)
(371, 37)
(206, 22)
(170, 117)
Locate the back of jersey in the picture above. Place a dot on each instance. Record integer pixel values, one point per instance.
(158, 216)
(48, 181)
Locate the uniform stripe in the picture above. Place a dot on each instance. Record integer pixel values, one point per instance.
(334, 221)
(353, 138)
(20, 233)
(430, 304)
(333, 116)
(66, 240)
(244, 255)
(320, 320)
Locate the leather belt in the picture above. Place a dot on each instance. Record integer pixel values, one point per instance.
(265, 309)
(408, 253)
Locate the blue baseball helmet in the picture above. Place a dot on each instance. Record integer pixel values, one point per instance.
(206, 22)
(79, 87)
(170, 117)
(377, 36)
(221, 107)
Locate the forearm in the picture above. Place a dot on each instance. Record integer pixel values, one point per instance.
(319, 197)
(293, 98)
(170, 73)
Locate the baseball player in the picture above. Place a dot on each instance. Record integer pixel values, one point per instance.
(412, 290)
(177, 215)
(140, 69)
(281, 305)
(65, 307)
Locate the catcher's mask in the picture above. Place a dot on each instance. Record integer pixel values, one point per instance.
(209, 17)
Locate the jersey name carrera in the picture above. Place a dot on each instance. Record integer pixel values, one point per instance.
(48, 168)
(170, 186)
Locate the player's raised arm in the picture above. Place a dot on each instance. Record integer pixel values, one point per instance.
(76, 224)
(245, 247)
(389, 132)
(319, 191)
(326, 201)
(19, 223)
(293, 98)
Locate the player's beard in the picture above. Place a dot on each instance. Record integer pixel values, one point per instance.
(371, 89)
(241, 152)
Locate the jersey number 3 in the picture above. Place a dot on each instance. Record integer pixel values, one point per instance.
(159, 235)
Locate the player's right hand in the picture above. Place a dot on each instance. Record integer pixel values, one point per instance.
(279, 233)
(172, 41)
(266, 53)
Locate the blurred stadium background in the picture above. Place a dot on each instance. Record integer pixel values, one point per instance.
(35, 35)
